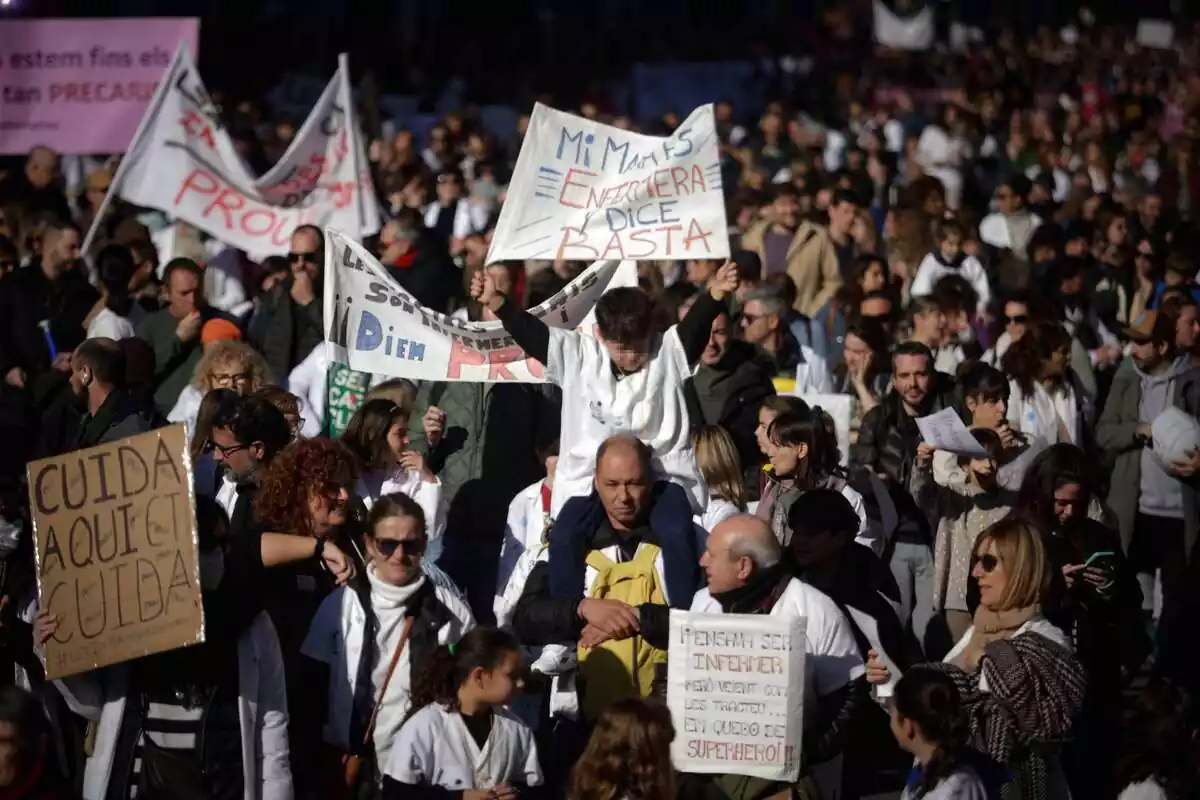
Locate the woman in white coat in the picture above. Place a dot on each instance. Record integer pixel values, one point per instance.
(209, 720)
(227, 364)
(371, 636)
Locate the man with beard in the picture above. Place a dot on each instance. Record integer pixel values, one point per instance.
(98, 379)
(727, 388)
(290, 322)
(42, 308)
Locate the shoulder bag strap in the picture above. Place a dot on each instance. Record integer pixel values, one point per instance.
(370, 730)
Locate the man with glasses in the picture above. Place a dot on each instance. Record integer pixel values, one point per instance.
(763, 324)
(290, 321)
(452, 218)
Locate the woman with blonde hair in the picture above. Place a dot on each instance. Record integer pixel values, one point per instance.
(226, 364)
(628, 756)
(1021, 683)
(722, 470)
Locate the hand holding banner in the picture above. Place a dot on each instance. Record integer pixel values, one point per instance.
(585, 191)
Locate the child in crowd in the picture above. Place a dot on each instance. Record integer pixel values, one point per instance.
(722, 471)
(378, 436)
(948, 258)
(628, 756)
(459, 738)
(963, 510)
(929, 721)
(529, 519)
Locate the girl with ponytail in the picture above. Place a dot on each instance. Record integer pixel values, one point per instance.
(458, 737)
(929, 721)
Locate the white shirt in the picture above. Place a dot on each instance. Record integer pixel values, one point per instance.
(932, 270)
(110, 325)
(469, 217)
(995, 231)
(719, 509)
(335, 637)
(832, 658)
(528, 517)
(435, 748)
(812, 374)
(1039, 414)
(428, 496)
(962, 784)
(1037, 624)
(596, 405)
(308, 380)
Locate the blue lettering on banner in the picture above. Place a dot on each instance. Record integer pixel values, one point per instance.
(576, 148)
(371, 337)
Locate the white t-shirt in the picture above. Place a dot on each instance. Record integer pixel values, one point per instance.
(1039, 625)
(933, 270)
(719, 509)
(527, 520)
(963, 784)
(1143, 790)
(110, 325)
(832, 655)
(435, 748)
(596, 405)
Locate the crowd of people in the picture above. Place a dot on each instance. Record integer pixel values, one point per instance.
(419, 589)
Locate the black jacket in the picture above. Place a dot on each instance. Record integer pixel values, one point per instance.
(431, 278)
(888, 437)
(119, 416)
(28, 297)
(285, 332)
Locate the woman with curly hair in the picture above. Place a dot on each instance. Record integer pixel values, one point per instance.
(628, 756)
(226, 364)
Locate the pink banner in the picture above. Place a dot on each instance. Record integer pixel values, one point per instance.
(81, 85)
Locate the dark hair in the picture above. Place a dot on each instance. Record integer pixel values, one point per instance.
(7, 247)
(823, 511)
(182, 265)
(396, 504)
(983, 382)
(1057, 466)
(26, 714)
(844, 196)
(1160, 740)
(212, 400)
(808, 428)
(547, 448)
(445, 670)
(143, 250)
(253, 419)
(670, 300)
(625, 315)
(115, 268)
(989, 441)
(784, 190)
(921, 305)
(948, 227)
(785, 404)
(105, 358)
(928, 698)
(955, 293)
(366, 433)
(849, 295)
(272, 265)
(1025, 357)
(913, 349)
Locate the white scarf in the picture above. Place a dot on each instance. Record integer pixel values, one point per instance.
(387, 598)
(389, 601)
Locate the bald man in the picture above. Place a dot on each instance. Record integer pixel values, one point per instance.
(34, 190)
(747, 575)
(631, 531)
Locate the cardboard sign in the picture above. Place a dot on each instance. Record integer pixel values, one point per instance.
(735, 688)
(117, 561)
(80, 86)
(585, 191)
(374, 326)
(184, 164)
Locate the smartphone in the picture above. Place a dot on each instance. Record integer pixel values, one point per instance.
(1097, 556)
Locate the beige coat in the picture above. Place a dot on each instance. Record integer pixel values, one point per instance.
(812, 263)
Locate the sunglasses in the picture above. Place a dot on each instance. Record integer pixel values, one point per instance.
(296, 258)
(988, 562)
(410, 547)
(1019, 319)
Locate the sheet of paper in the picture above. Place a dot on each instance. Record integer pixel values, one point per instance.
(945, 431)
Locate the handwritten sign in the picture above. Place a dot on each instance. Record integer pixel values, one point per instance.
(374, 326)
(945, 431)
(115, 527)
(585, 191)
(735, 687)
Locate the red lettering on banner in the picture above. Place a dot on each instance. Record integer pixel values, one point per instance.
(200, 181)
(268, 215)
(497, 362)
(461, 356)
(231, 205)
(564, 244)
(568, 182)
(195, 125)
(228, 201)
(696, 232)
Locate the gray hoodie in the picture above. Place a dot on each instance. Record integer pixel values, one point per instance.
(1160, 494)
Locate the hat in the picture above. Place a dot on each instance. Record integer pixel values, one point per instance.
(99, 181)
(1142, 330)
(216, 330)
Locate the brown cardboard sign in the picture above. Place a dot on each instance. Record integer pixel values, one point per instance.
(117, 555)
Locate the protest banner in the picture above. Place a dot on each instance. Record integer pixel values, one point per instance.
(585, 191)
(117, 560)
(735, 689)
(373, 325)
(184, 164)
(80, 86)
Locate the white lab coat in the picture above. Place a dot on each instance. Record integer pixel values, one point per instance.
(469, 217)
(527, 520)
(187, 407)
(100, 696)
(374, 485)
(435, 748)
(308, 380)
(812, 374)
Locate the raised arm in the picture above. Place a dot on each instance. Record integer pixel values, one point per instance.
(695, 328)
(526, 330)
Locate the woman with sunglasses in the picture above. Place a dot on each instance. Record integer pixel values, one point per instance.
(369, 637)
(1021, 684)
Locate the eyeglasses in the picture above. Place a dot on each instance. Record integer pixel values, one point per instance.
(1018, 319)
(296, 258)
(388, 547)
(230, 380)
(750, 319)
(224, 452)
(988, 562)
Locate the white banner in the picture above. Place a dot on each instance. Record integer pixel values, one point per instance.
(735, 688)
(374, 326)
(184, 164)
(585, 191)
(915, 32)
